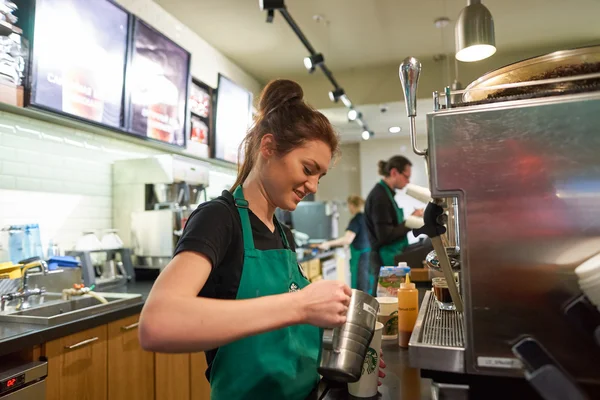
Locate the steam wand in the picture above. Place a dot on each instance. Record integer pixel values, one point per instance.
(434, 217)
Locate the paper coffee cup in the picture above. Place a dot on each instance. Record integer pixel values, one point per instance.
(418, 192)
(388, 316)
(367, 384)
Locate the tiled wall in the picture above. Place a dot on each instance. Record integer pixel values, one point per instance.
(61, 177)
(58, 177)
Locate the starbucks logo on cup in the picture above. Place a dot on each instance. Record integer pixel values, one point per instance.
(370, 363)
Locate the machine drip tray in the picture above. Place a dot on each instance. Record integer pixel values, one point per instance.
(438, 340)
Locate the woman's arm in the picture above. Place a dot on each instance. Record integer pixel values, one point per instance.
(342, 241)
(175, 320)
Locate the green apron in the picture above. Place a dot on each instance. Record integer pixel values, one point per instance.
(280, 364)
(389, 251)
(354, 259)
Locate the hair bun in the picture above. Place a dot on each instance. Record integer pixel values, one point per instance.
(278, 93)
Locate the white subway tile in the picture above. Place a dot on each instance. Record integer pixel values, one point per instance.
(6, 128)
(50, 160)
(17, 142)
(14, 168)
(52, 185)
(41, 171)
(7, 182)
(28, 183)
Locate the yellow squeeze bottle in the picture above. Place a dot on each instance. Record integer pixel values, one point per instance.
(408, 309)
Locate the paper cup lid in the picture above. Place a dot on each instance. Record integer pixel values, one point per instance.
(387, 300)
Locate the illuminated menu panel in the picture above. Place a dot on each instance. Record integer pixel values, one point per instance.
(79, 59)
(157, 82)
(233, 119)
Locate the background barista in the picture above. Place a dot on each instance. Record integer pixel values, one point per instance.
(385, 221)
(357, 237)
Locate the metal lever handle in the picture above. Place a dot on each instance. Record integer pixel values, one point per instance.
(82, 343)
(544, 373)
(409, 72)
(130, 327)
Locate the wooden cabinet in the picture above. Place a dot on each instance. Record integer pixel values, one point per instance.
(200, 387)
(172, 376)
(130, 368)
(108, 363)
(77, 366)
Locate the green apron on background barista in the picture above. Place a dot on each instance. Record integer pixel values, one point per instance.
(354, 261)
(389, 251)
(280, 364)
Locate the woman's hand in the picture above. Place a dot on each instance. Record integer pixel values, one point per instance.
(381, 366)
(324, 246)
(325, 303)
(418, 213)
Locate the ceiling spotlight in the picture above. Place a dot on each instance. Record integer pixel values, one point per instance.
(271, 4)
(353, 115)
(366, 135)
(270, 16)
(394, 129)
(335, 95)
(312, 61)
(441, 22)
(475, 37)
(346, 101)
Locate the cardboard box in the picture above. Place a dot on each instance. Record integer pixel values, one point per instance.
(11, 94)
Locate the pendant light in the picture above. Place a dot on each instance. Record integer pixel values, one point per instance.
(475, 39)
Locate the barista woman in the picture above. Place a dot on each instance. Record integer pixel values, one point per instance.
(234, 288)
(384, 219)
(356, 236)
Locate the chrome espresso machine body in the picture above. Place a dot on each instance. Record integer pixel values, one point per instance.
(152, 199)
(525, 171)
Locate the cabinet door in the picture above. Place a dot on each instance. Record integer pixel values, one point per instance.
(130, 368)
(200, 385)
(172, 377)
(77, 366)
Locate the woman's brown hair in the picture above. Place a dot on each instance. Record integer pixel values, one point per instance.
(356, 201)
(283, 113)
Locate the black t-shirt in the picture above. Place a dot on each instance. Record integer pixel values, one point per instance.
(381, 221)
(214, 229)
(357, 225)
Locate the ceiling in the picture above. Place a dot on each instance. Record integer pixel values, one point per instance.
(363, 33)
(379, 122)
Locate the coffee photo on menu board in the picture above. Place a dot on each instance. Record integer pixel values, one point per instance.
(157, 83)
(78, 59)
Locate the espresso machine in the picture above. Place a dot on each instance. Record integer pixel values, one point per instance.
(152, 199)
(514, 172)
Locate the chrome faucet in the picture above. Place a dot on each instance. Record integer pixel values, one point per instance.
(25, 270)
(23, 293)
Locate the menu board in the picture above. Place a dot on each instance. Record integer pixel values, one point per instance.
(200, 104)
(79, 59)
(157, 84)
(233, 118)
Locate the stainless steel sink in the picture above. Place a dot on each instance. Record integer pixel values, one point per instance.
(50, 309)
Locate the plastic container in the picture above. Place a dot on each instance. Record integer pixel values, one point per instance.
(62, 262)
(408, 310)
(8, 270)
(390, 279)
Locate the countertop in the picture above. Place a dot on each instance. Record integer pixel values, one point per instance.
(18, 336)
(401, 382)
(319, 255)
